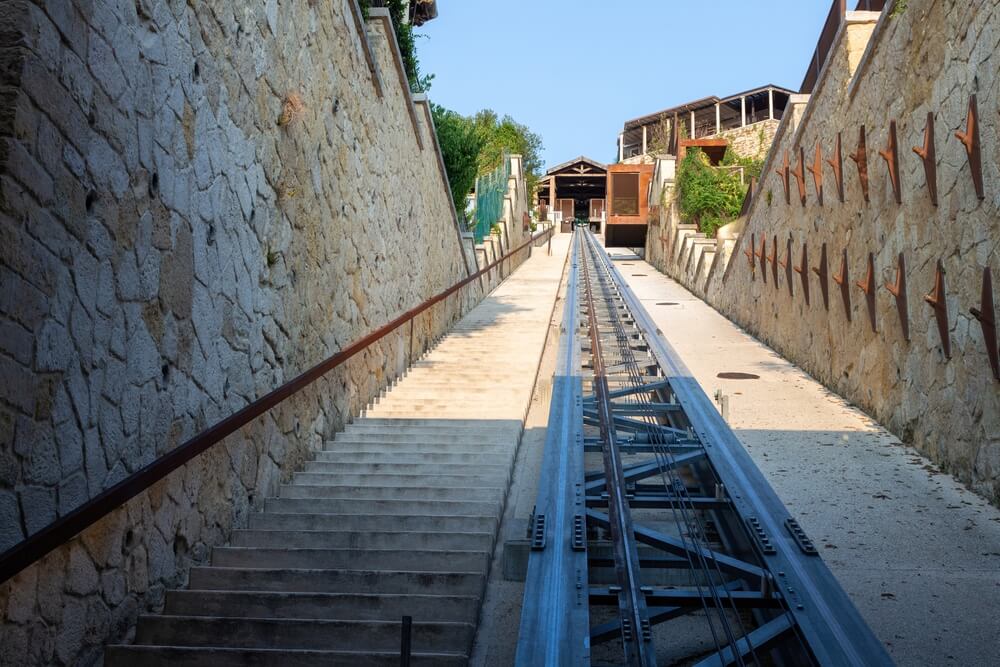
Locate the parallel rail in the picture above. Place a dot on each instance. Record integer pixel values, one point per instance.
(683, 553)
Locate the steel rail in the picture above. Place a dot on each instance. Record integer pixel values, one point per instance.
(76, 521)
(637, 641)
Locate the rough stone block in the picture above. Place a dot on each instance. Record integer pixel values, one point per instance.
(11, 530)
(39, 507)
(54, 349)
(72, 493)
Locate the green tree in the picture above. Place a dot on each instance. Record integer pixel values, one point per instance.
(460, 149)
(500, 135)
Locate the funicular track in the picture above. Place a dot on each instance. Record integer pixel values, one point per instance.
(655, 539)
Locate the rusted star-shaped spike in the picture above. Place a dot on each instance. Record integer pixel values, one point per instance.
(822, 271)
(774, 260)
(782, 173)
(891, 156)
(762, 256)
(803, 270)
(800, 176)
(816, 169)
(970, 139)
(860, 157)
(868, 287)
(898, 290)
(787, 265)
(938, 300)
(926, 153)
(988, 321)
(749, 253)
(837, 163)
(845, 284)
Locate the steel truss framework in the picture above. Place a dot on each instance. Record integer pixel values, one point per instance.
(676, 532)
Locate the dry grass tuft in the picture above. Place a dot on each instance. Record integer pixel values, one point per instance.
(291, 110)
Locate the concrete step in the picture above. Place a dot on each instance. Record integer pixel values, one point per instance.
(431, 560)
(321, 606)
(353, 440)
(299, 633)
(434, 489)
(343, 539)
(335, 581)
(404, 480)
(184, 656)
(275, 520)
(384, 507)
(449, 425)
(411, 448)
(391, 468)
(349, 456)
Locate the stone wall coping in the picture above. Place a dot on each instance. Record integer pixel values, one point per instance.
(877, 34)
(366, 46)
(381, 14)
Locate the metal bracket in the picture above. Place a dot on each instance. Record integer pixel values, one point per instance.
(816, 169)
(891, 156)
(822, 271)
(760, 536)
(898, 290)
(860, 157)
(749, 252)
(579, 533)
(538, 532)
(803, 270)
(805, 544)
(970, 139)
(844, 282)
(938, 300)
(868, 287)
(800, 176)
(926, 153)
(783, 175)
(837, 163)
(986, 315)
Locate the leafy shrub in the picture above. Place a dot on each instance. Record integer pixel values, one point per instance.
(710, 197)
(460, 148)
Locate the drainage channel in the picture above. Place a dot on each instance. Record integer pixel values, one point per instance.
(655, 539)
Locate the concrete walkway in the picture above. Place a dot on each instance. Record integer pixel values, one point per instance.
(917, 552)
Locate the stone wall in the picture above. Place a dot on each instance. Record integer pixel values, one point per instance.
(928, 56)
(751, 141)
(198, 201)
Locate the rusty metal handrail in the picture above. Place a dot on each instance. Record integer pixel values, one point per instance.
(66, 527)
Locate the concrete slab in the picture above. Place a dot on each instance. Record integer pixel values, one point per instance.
(918, 553)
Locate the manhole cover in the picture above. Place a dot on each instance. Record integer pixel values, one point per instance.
(638, 275)
(627, 264)
(666, 303)
(730, 375)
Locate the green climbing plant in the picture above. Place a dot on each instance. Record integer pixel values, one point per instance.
(711, 197)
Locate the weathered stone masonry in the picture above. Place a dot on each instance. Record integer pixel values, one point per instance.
(930, 56)
(199, 201)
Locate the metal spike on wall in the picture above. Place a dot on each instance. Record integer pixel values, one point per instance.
(787, 265)
(762, 256)
(837, 163)
(868, 287)
(898, 290)
(816, 169)
(860, 157)
(803, 270)
(774, 260)
(822, 271)
(782, 173)
(844, 281)
(800, 176)
(750, 259)
(926, 153)
(970, 139)
(986, 314)
(939, 302)
(891, 156)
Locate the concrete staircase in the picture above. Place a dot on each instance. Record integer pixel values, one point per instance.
(396, 516)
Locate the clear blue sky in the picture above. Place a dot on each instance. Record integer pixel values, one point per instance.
(575, 70)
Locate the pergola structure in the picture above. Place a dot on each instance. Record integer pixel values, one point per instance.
(701, 118)
(576, 189)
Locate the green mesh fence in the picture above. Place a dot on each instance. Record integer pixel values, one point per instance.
(490, 191)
